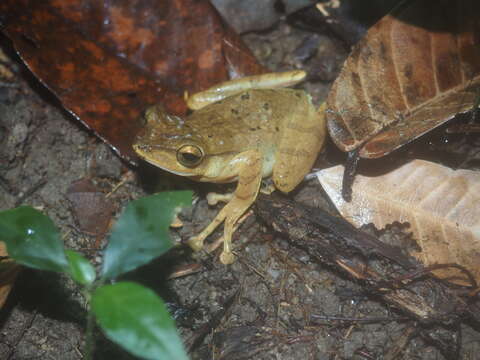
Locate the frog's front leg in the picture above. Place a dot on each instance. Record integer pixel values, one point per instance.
(248, 167)
(233, 87)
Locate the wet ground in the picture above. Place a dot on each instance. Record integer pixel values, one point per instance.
(273, 303)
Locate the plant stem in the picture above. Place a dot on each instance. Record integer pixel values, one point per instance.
(89, 341)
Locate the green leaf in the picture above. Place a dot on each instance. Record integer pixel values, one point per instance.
(141, 233)
(135, 318)
(32, 239)
(81, 270)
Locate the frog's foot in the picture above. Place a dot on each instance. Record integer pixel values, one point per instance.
(214, 198)
(216, 244)
(229, 88)
(196, 243)
(268, 188)
(227, 258)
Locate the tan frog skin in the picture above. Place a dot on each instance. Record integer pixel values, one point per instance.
(252, 133)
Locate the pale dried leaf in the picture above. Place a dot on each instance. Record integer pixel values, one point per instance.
(442, 206)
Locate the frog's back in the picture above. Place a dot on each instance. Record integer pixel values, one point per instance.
(254, 119)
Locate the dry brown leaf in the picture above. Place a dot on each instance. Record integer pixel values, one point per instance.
(415, 69)
(442, 206)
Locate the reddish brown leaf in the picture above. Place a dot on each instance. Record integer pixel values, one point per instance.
(107, 61)
(415, 69)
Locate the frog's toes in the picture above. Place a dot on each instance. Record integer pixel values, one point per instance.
(227, 258)
(196, 243)
(267, 189)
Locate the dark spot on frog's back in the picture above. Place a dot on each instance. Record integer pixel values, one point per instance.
(234, 111)
(266, 106)
(245, 96)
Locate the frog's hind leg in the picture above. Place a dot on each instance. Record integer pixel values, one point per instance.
(233, 87)
(249, 169)
(295, 157)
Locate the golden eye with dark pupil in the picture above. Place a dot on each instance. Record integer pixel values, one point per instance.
(189, 155)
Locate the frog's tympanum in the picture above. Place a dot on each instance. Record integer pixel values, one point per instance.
(242, 131)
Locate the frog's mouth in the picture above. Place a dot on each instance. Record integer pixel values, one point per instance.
(170, 170)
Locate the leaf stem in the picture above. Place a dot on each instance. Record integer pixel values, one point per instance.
(89, 342)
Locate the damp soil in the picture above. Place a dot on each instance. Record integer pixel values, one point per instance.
(275, 302)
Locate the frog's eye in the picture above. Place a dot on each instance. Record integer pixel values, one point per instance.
(190, 155)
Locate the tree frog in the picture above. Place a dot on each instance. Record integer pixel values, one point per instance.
(241, 131)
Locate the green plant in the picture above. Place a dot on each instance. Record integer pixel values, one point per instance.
(129, 314)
